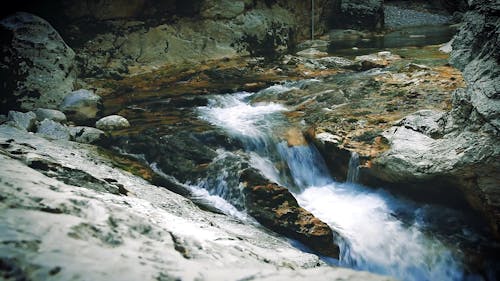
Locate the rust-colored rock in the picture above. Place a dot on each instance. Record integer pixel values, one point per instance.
(276, 208)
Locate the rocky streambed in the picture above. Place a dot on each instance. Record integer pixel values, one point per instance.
(337, 153)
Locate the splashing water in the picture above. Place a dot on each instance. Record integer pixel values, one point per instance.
(374, 238)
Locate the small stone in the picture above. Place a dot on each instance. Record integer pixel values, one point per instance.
(81, 106)
(53, 130)
(51, 114)
(25, 121)
(112, 122)
(88, 135)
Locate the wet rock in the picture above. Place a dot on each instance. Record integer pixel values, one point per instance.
(81, 106)
(312, 53)
(358, 14)
(378, 60)
(36, 64)
(154, 233)
(53, 130)
(222, 9)
(51, 114)
(112, 122)
(25, 121)
(335, 156)
(276, 208)
(89, 135)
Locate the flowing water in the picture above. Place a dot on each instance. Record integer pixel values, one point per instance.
(379, 233)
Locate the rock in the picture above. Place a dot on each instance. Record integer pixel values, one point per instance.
(335, 156)
(379, 60)
(412, 67)
(222, 9)
(89, 135)
(447, 47)
(112, 122)
(311, 53)
(275, 207)
(81, 106)
(336, 62)
(36, 64)
(358, 14)
(3, 119)
(25, 121)
(52, 130)
(312, 44)
(51, 114)
(425, 122)
(152, 234)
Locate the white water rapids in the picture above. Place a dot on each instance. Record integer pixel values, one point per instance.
(374, 237)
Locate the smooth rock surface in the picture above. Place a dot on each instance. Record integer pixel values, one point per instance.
(112, 122)
(81, 106)
(25, 121)
(150, 234)
(53, 130)
(36, 64)
(51, 114)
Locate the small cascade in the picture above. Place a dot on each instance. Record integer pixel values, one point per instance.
(353, 169)
(375, 236)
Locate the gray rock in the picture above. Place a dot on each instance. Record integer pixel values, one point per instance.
(89, 135)
(336, 62)
(51, 114)
(222, 9)
(312, 53)
(81, 106)
(425, 122)
(25, 121)
(152, 233)
(53, 130)
(37, 65)
(112, 122)
(3, 118)
(358, 14)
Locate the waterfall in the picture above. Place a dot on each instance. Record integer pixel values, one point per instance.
(380, 233)
(353, 168)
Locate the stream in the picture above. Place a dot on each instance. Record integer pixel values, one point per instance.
(380, 233)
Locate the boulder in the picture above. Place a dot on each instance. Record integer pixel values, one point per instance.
(312, 53)
(378, 60)
(276, 208)
(112, 122)
(222, 9)
(358, 14)
(336, 62)
(51, 114)
(36, 64)
(25, 121)
(88, 135)
(81, 106)
(53, 130)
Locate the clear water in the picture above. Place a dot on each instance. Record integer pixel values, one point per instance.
(379, 233)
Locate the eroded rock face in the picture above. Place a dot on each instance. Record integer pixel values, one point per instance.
(461, 148)
(74, 199)
(36, 66)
